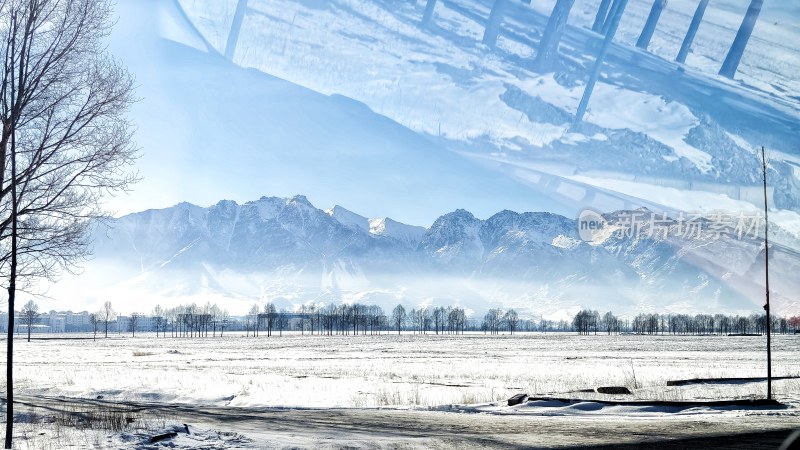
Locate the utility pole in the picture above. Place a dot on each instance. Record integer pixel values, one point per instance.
(766, 273)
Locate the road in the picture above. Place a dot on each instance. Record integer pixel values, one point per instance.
(402, 428)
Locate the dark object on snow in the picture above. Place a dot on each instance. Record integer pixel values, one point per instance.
(613, 390)
(517, 399)
(99, 397)
(744, 334)
(161, 437)
(726, 380)
(187, 429)
(745, 403)
(792, 442)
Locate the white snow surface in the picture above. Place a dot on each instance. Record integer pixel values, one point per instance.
(464, 378)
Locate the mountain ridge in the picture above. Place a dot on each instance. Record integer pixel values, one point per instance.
(534, 261)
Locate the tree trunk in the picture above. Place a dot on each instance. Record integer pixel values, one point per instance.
(547, 54)
(610, 18)
(493, 24)
(686, 46)
(650, 25)
(12, 277)
(427, 16)
(602, 13)
(731, 62)
(587, 93)
(236, 26)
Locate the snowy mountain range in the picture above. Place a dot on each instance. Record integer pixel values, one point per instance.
(289, 251)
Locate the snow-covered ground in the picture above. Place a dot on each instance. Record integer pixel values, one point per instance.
(434, 379)
(397, 371)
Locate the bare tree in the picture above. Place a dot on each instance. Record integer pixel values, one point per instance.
(64, 142)
(282, 321)
(223, 321)
(30, 315)
(492, 321)
(610, 323)
(107, 314)
(270, 314)
(438, 319)
(511, 318)
(254, 318)
(133, 323)
(93, 321)
(158, 316)
(398, 317)
(213, 315)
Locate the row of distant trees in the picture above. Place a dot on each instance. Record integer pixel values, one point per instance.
(496, 320)
(592, 322)
(357, 318)
(192, 320)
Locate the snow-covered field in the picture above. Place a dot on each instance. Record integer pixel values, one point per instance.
(420, 374)
(391, 370)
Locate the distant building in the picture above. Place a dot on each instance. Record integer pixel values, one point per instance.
(67, 321)
(143, 323)
(41, 325)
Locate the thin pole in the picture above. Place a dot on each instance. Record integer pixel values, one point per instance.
(613, 23)
(766, 273)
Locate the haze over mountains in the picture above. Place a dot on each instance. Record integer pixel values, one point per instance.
(288, 251)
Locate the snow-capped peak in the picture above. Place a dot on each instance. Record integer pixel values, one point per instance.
(349, 218)
(408, 234)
